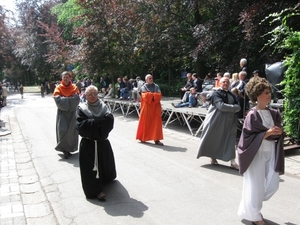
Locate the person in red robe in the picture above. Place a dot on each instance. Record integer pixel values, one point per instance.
(66, 97)
(150, 121)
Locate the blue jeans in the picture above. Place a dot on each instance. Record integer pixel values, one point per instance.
(192, 102)
(124, 93)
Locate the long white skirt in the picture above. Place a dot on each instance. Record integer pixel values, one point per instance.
(260, 182)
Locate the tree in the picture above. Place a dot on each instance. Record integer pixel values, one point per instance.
(5, 42)
(233, 30)
(285, 37)
(31, 47)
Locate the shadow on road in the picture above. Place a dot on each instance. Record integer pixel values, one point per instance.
(74, 159)
(165, 147)
(269, 222)
(222, 168)
(119, 203)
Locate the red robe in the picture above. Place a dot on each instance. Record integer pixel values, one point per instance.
(65, 91)
(150, 122)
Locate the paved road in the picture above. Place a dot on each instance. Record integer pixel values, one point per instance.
(155, 184)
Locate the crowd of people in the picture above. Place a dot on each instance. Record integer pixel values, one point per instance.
(260, 146)
(205, 87)
(93, 121)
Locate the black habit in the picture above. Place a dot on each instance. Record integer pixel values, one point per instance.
(96, 159)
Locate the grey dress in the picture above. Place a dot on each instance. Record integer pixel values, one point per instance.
(217, 139)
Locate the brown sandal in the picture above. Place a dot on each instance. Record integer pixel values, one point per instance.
(159, 143)
(101, 197)
(214, 161)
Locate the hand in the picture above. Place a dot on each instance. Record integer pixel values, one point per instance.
(275, 130)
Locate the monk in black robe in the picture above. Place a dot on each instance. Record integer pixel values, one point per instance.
(96, 159)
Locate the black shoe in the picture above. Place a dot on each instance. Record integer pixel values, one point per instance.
(175, 106)
(67, 154)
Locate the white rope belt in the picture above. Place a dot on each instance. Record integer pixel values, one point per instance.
(96, 166)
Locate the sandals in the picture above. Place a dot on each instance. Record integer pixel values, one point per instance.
(261, 222)
(159, 143)
(67, 154)
(235, 166)
(101, 197)
(214, 161)
(156, 142)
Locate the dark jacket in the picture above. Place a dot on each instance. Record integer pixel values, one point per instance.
(198, 85)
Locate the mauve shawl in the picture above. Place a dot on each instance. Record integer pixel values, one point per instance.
(252, 136)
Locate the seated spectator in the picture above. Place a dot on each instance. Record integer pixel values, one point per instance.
(110, 92)
(205, 97)
(187, 86)
(208, 80)
(197, 83)
(235, 78)
(207, 93)
(240, 85)
(102, 93)
(137, 89)
(192, 100)
(126, 89)
(118, 87)
(227, 74)
(217, 80)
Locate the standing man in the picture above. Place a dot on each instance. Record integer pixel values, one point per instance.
(4, 94)
(217, 139)
(256, 73)
(244, 67)
(102, 83)
(150, 122)
(66, 97)
(21, 88)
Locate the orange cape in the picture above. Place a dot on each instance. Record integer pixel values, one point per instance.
(150, 122)
(65, 91)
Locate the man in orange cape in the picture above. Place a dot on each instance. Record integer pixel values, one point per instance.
(150, 122)
(66, 97)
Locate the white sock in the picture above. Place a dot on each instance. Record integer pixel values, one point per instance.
(233, 162)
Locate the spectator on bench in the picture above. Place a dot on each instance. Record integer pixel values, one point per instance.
(192, 100)
(187, 86)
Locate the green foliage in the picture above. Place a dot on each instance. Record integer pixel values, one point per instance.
(115, 37)
(65, 16)
(170, 90)
(292, 91)
(286, 37)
